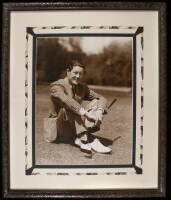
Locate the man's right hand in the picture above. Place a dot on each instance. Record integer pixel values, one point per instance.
(90, 116)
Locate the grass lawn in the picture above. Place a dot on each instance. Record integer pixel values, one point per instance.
(116, 131)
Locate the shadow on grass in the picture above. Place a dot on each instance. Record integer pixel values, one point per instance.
(104, 141)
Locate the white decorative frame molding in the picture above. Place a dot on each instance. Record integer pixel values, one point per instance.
(136, 33)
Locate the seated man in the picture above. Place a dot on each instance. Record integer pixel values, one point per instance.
(74, 120)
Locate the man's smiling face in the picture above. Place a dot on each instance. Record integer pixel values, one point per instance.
(75, 76)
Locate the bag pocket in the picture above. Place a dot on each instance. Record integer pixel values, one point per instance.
(50, 129)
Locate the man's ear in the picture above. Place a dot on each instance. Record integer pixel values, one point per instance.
(67, 71)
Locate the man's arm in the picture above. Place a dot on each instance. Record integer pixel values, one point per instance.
(58, 92)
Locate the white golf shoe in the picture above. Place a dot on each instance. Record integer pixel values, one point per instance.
(86, 148)
(97, 146)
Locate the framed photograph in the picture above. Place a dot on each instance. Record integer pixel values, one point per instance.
(84, 99)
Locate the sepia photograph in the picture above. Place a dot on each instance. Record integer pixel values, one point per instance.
(83, 101)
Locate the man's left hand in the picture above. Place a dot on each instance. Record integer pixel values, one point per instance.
(99, 116)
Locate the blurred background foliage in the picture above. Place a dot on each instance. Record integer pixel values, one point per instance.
(112, 66)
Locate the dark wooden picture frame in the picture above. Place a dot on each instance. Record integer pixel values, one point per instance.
(161, 190)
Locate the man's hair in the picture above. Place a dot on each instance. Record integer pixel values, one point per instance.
(75, 63)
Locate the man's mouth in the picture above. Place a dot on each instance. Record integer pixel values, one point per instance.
(75, 81)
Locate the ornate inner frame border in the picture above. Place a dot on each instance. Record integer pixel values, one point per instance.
(136, 33)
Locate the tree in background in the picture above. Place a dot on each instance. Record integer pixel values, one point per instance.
(117, 61)
(54, 55)
(112, 66)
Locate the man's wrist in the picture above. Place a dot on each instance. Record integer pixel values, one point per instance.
(101, 109)
(82, 111)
